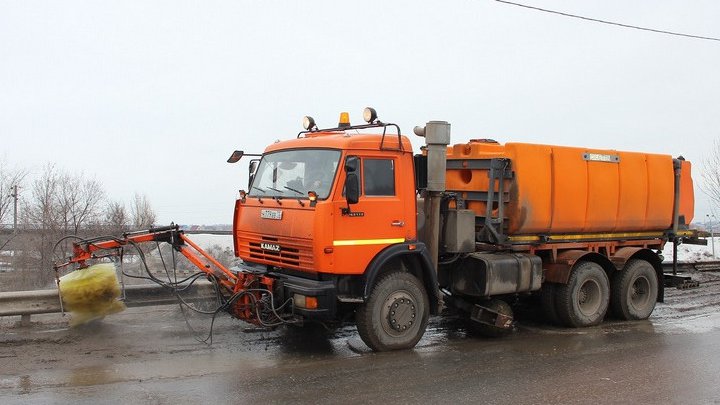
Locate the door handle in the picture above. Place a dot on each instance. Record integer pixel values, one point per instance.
(397, 223)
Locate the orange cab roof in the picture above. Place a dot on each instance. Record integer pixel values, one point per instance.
(342, 140)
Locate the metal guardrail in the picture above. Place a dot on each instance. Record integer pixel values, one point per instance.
(35, 229)
(208, 232)
(26, 303)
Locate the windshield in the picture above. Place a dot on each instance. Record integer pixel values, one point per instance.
(292, 173)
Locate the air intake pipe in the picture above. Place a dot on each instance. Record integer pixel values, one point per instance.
(437, 138)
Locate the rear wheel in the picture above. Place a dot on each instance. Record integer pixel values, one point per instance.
(634, 291)
(547, 300)
(396, 313)
(583, 301)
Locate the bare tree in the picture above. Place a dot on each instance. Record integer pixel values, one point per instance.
(10, 177)
(61, 204)
(41, 210)
(710, 184)
(64, 202)
(117, 219)
(143, 215)
(79, 201)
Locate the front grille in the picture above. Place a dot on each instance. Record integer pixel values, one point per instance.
(294, 253)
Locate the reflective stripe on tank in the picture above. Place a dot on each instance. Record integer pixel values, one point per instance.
(623, 235)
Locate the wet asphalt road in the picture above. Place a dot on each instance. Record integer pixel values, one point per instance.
(147, 355)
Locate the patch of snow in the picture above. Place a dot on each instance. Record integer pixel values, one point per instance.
(693, 253)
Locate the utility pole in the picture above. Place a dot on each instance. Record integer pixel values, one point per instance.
(14, 195)
(712, 238)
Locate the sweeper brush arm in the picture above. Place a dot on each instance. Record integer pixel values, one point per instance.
(98, 248)
(247, 295)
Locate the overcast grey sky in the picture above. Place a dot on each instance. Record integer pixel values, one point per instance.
(153, 96)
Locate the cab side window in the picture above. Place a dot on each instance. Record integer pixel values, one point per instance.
(379, 177)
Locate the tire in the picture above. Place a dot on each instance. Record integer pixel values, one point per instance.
(584, 300)
(547, 300)
(395, 315)
(634, 291)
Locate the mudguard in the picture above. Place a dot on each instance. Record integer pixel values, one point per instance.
(418, 254)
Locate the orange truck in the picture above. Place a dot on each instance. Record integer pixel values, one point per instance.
(348, 223)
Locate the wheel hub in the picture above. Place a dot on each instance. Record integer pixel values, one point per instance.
(588, 297)
(639, 291)
(401, 313)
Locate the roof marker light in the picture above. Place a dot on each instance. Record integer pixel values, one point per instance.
(344, 120)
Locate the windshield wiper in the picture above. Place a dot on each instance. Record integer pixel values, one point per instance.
(260, 196)
(274, 189)
(302, 204)
(292, 189)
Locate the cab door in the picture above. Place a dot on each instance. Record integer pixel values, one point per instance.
(379, 219)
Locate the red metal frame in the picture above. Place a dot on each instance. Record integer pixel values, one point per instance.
(247, 287)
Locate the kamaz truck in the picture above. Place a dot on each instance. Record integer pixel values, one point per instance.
(349, 223)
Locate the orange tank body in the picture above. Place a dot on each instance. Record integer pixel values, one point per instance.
(558, 189)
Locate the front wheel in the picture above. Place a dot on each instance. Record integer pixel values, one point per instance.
(395, 315)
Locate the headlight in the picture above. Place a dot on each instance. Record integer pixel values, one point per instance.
(369, 115)
(308, 122)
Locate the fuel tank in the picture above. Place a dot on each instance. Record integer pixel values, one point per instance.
(488, 274)
(557, 189)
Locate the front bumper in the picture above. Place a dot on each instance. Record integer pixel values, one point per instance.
(285, 287)
(325, 291)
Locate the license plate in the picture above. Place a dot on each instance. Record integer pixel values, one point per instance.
(271, 214)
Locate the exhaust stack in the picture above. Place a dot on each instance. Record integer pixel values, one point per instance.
(437, 138)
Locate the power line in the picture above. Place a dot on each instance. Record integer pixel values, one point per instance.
(679, 34)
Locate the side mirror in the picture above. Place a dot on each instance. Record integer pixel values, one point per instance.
(236, 156)
(352, 181)
(252, 169)
(352, 163)
(352, 188)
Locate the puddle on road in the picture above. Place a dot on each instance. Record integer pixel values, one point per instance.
(24, 384)
(94, 375)
(690, 324)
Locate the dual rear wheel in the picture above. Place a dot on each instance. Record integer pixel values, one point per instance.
(634, 291)
(589, 293)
